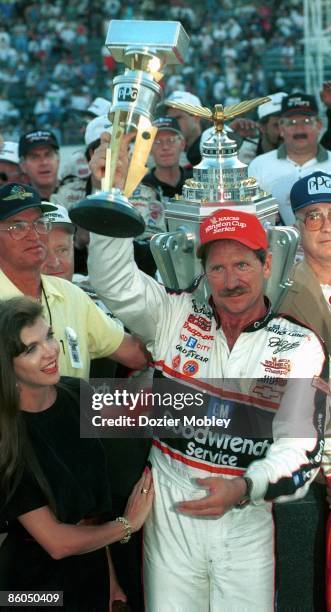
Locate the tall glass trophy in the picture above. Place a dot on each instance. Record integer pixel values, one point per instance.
(145, 48)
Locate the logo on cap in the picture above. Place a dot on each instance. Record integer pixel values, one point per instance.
(226, 224)
(319, 184)
(18, 193)
(298, 102)
(55, 216)
(39, 135)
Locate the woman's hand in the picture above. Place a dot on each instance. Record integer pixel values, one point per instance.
(140, 501)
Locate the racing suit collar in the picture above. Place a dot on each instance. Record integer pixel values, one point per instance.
(253, 325)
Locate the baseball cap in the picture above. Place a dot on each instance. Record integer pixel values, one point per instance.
(225, 224)
(299, 103)
(94, 129)
(311, 189)
(273, 107)
(59, 216)
(15, 197)
(36, 139)
(99, 106)
(9, 152)
(167, 123)
(184, 97)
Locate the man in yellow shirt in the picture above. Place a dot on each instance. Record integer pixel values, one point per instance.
(82, 329)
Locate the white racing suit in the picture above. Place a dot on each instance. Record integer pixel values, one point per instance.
(226, 564)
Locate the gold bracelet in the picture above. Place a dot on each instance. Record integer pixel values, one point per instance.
(128, 529)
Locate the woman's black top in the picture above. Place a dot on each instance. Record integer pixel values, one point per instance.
(77, 474)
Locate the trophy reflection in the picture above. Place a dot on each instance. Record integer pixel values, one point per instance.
(145, 47)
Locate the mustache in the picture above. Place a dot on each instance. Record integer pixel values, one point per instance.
(300, 135)
(233, 292)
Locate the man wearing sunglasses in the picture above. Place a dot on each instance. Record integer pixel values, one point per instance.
(299, 155)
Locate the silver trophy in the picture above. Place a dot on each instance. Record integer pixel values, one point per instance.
(220, 180)
(145, 47)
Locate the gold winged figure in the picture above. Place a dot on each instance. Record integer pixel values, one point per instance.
(219, 114)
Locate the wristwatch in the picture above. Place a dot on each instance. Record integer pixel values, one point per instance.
(127, 527)
(247, 497)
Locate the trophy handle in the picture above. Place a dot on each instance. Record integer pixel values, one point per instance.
(164, 247)
(105, 181)
(163, 260)
(283, 243)
(142, 148)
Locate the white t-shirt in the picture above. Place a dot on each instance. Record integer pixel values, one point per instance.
(276, 173)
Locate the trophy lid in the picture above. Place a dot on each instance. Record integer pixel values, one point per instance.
(166, 39)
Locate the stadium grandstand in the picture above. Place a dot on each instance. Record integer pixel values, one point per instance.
(53, 61)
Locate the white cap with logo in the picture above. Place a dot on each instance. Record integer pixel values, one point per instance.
(99, 106)
(95, 127)
(273, 107)
(9, 152)
(184, 97)
(60, 217)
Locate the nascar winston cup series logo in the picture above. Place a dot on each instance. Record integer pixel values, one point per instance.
(226, 224)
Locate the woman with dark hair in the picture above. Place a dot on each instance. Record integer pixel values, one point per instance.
(55, 498)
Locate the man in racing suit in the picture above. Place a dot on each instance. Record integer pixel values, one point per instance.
(246, 361)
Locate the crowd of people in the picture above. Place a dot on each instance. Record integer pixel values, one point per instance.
(59, 516)
(225, 508)
(51, 63)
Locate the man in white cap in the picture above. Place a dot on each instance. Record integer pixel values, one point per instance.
(10, 170)
(99, 106)
(268, 126)
(60, 248)
(189, 125)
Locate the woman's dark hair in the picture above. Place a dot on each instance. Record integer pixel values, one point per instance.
(261, 254)
(16, 452)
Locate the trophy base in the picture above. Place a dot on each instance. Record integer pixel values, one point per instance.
(108, 213)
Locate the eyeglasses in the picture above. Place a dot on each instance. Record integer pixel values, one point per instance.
(308, 121)
(20, 229)
(315, 219)
(166, 141)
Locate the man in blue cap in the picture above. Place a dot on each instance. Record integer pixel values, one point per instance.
(300, 527)
(309, 298)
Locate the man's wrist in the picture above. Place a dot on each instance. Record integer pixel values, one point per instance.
(247, 495)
